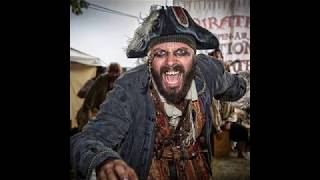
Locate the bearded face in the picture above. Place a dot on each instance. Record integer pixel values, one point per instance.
(172, 69)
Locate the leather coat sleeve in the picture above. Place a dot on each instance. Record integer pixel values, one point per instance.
(223, 85)
(101, 136)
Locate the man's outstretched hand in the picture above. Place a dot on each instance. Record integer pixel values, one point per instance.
(115, 170)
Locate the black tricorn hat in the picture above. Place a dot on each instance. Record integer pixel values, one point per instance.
(168, 21)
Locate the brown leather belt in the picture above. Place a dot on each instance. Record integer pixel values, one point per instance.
(175, 153)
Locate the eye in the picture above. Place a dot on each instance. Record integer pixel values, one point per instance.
(160, 53)
(181, 52)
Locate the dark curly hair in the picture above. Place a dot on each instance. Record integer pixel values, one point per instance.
(114, 68)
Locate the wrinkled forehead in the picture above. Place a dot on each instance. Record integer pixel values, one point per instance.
(170, 46)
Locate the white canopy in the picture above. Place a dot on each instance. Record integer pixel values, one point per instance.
(83, 58)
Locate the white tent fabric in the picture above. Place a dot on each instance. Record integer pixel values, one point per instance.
(83, 58)
(82, 68)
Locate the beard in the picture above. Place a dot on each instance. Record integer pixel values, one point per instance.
(174, 95)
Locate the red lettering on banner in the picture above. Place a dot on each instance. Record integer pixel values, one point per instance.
(213, 21)
(224, 22)
(236, 48)
(239, 66)
(229, 48)
(237, 36)
(247, 65)
(247, 22)
(238, 20)
(243, 65)
(247, 46)
(244, 35)
(204, 23)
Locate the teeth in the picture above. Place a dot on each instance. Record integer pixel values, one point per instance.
(172, 73)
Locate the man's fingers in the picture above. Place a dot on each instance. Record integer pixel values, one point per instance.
(101, 175)
(123, 171)
(120, 170)
(116, 169)
(110, 174)
(106, 172)
(132, 174)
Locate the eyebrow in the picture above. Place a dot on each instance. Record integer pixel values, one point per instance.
(184, 48)
(158, 49)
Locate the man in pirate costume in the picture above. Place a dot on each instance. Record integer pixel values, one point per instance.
(156, 122)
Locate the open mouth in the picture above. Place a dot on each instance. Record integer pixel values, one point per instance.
(172, 79)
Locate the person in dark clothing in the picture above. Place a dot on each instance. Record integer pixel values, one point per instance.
(85, 88)
(97, 94)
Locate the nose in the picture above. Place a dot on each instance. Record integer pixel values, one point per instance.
(170, 60)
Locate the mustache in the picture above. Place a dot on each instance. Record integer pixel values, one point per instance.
(175, 67)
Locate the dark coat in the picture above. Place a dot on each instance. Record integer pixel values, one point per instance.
(124, 127)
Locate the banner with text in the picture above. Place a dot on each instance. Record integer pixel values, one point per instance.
(229, 20)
